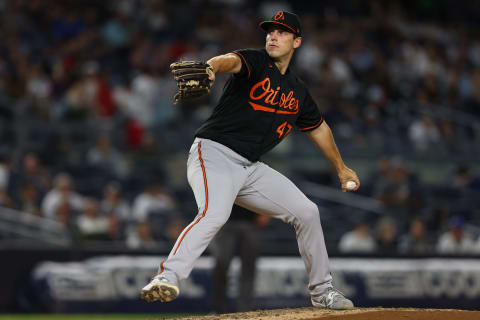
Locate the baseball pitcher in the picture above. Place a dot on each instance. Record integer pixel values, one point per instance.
(262, 101)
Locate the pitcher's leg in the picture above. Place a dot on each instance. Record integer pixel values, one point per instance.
(269, 192)
(215, 183)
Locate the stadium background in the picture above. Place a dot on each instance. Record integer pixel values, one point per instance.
(93, 152)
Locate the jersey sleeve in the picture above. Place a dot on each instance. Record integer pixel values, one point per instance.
(310, 117)
(252, 62)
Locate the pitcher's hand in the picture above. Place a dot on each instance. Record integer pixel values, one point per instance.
(346, 174)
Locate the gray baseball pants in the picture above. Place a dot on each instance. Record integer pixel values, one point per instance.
(219, 178)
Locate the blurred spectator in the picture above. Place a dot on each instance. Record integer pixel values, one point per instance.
(311, 56)
(65, 215)
(437, 220)
(81, 97)
(358, 240)
(91, 96)
(134, 134)
(91, 225)
(464, 179)
(416, 241)
(32, 172)
(393, 190)
(63, 190)
(152, 233)
(39, 88)
(153, 200)
(381, 171)
(116, 32)
(373, 127)
(115, 231)
(113, 203)
(472, 104)
(141, 237)
(104, 155)
(5, 170)
(158, 208)
(456, 240)
(35, 172)
(386, 236)
(30, 200)
(5, 200)
(424, 133)
(64, 154)
(449, 136)
(138, 100)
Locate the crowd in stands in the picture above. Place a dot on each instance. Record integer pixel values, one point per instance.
(87, 121)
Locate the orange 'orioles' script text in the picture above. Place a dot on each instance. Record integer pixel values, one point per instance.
(262, 90)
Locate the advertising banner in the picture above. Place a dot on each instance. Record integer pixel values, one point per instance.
(113, 284)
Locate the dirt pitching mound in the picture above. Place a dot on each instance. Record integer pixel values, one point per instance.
(356, 314)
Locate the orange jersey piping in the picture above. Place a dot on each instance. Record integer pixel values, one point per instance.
(312, 127)
(206, 200)
(161, 267)
(244, 61)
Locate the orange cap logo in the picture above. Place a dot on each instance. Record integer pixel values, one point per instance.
(278, 16)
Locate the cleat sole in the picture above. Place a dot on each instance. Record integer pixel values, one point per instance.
(161, 291)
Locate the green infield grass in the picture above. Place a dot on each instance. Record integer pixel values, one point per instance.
(122, 316)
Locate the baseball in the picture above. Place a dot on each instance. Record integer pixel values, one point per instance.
(351, 185)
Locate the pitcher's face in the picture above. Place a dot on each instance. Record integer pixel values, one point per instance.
(280, 43)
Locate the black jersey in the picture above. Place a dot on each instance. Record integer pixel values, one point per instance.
(259, 107)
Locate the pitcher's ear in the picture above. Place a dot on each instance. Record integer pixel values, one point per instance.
(297, 42)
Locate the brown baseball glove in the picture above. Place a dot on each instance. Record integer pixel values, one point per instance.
(192, 79)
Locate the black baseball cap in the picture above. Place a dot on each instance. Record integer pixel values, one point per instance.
(286, 20)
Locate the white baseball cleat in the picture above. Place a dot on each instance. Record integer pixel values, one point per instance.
(160, 289)
(332, 299)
